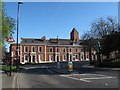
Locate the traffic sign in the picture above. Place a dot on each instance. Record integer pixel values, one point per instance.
(10, 39)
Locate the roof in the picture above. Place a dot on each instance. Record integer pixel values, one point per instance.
(51, 41)
(74, 30)
(31, 40)
(56, 41)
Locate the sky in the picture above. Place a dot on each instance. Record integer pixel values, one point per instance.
(52, 19)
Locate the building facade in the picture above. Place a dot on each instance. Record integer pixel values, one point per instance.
(52, 50)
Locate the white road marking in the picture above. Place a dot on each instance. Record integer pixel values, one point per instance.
(93, 77)
(99, 78)
(15, 77)
(74, 78)
(18, 83)
(88, 74)
(50, 71)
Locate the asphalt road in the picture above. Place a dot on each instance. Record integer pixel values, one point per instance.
(46, 77)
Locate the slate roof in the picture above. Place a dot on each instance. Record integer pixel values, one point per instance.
(31, 40)
(51, 41)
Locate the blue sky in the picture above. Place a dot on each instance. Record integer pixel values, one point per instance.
(52, 19)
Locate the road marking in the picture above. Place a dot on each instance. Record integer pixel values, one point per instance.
(74, 78)
(18, 83)
(99, 78)
(87, 74)
(50, 71)
(14, 80)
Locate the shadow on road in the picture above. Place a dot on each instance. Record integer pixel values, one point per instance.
(51, 68)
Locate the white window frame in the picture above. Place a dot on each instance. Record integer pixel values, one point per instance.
(51, 48)
(71, 57)
(25, 58)
(25, 49)
(32, 58)
(40, 57)
(77, 56)
(63, 50)
(64, 59)
(76, 49)
(71, 50)
(32, 49)
(39, 49)
(56, 49)
(50, 58)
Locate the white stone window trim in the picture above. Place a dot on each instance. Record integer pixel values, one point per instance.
(50, 60)
(64, 59)
(39, 49)
(25, 58)
(69, 50)
(56, 49)
(77, 57)
(25, 49)
(50, 48)
(40, 60)
(32, 49)
(76, 50)
(35, 58)
(63, 50)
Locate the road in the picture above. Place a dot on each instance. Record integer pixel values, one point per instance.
(47, 77)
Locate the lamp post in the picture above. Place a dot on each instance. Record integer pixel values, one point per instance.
(17, 64)
(58, 63)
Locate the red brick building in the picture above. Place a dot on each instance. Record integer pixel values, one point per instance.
(33, 50)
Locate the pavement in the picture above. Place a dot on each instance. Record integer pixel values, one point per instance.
(80, 69)
(7, 80)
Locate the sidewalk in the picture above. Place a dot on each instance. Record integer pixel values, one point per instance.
(77, 70)
(103, 68)
(7, 81)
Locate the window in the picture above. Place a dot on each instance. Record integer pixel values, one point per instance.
(70, 50)
(64, 57)
(76, 50)
(57, 49)
(50, 58)
(33, 49)
(50, 49)
(18, 48)
(26, 57)
(76, 56)
(39, 49)
(82, 50)
(64, 50)
(25, 49)
(87, 56)
(33, 58)
(40, 58)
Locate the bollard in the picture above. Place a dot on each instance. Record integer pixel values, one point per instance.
(70, 66)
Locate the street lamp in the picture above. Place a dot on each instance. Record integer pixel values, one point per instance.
(17, 64)
(58, 63)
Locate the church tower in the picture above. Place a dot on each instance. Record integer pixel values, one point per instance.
(74, 35)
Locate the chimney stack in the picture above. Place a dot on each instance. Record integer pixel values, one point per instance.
(44, 38)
